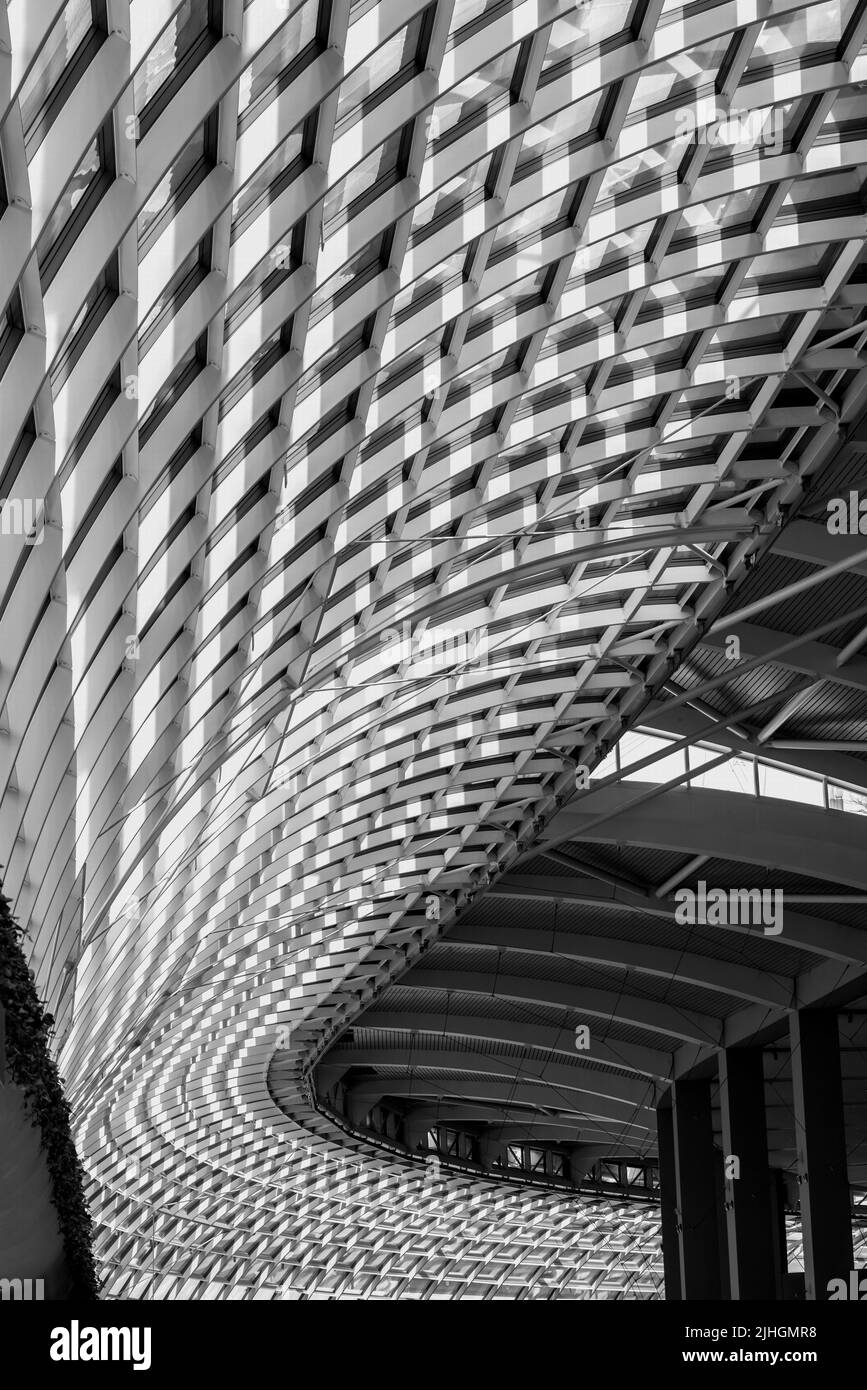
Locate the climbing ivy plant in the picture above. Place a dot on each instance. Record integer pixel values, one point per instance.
(31, 1067)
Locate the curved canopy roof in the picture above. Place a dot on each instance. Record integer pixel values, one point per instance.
(401, 401)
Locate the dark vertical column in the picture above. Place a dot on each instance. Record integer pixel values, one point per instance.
(749, 1206)
(696, 1191)
(778, 1232)
(725, 1284)
(820, 1141)
(668, 1196)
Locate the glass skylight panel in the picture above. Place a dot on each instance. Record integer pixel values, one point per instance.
(188, 365)
(641, 172)
(707, 399)
(630, 413)
(847, 117)
(698, 285)
(725, 212)
(544, 213)
(499, 308)
(743, 334)
(192, 155)
(269, 180)
(408, 366)
(585, 328)
(450, 201)
(267, 75)
(446, 272)
(473, 98)
(572, 35)
(683, 75)
(753, 134)
(610, 253)
(485, 371)
(796, 264)
(376, 172)
(267, 353)
(93, 309)
(363, 89)
(66, 40)
(251, 295)
(187, 28)
(85, 176)
(560, 136)
(656, 357)
(189, 273)
(802, 34)
(349, 278)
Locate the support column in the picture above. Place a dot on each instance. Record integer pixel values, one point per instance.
(725, 1283)
(668, 1198)
(820, 1141)
(750, 1214)
(696, 1191)
(778, 1231)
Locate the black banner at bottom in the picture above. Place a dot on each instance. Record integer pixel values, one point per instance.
(59, 1341)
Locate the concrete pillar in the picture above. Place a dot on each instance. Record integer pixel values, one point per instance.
(668, 1197)
(725, 1284)
(750, 1210)
(415, 1129)
(778, 1232)
(820, 1141)
(491, 1148)
(696, 1173)
(580, 1159)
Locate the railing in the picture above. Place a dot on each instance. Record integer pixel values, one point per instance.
(604, 1184)
(629, 1179)
(746, 772)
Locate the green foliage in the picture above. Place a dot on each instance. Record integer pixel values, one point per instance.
(31, 1067)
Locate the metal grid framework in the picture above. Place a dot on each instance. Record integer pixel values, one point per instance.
(328, 323)
(479, 1034)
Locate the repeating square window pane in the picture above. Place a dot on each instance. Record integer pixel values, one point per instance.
(517, 234)
(267, 276)
(469, 11)
(788, 786)
(451, 200)
(801, 34)
(635, 747)
(844, 799)
(592, 23)
(87, 174)
(96, 305)
(361, 88)
(190, 273)
(73, 26)
(346, 197)
(192, 155)
(471, 99)
(560, 136)
(678, 77)
(642, 171)
(736, 775)
(270, 178)
(185, 27)
(362, 267)
(260, 81)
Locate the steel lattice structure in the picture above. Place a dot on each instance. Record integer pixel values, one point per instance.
(335, 332)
